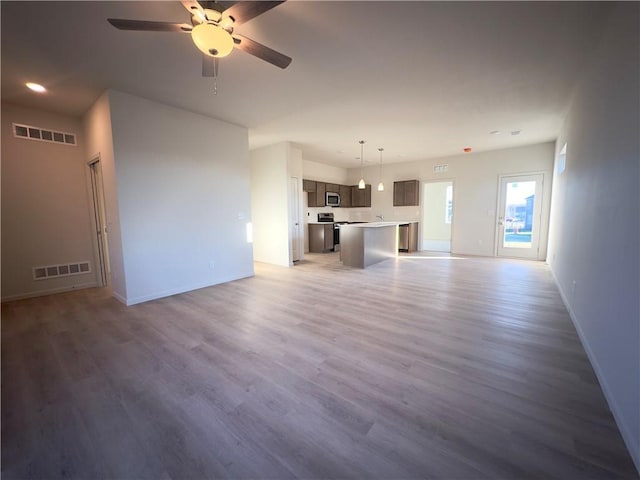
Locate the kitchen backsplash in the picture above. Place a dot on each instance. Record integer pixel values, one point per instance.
(339, 214)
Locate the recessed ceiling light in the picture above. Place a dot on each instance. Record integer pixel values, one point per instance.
(515, 132)
(36, 87)
(495, 132)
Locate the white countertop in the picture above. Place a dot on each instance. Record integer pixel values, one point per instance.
(376, 224)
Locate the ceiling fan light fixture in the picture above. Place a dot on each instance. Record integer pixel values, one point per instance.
(212, 40)
(36, 87)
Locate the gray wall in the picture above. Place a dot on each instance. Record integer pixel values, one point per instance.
(45, 205)
(99, 139)
(594, 239)
(182, 183)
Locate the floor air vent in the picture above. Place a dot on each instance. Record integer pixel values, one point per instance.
(43, 135)
(54, 271)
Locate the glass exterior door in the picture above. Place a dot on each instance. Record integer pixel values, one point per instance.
(519, 216)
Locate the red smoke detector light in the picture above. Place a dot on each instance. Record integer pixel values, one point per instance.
(467, 149)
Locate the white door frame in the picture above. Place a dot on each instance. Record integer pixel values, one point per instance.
(295, 244)
(422, 204)
(534, 252)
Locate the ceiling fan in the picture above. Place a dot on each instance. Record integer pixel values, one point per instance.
(212, 30)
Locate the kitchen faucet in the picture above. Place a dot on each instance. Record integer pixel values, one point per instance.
(381, 217)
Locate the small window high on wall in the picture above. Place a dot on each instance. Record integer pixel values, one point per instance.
(448, 214)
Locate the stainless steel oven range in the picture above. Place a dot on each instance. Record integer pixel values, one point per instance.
(328, 218)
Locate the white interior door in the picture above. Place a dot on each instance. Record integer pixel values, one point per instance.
(519, 216)
(294, 219)
(100, 219)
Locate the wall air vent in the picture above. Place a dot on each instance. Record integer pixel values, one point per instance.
(64, 270)
(29, 132)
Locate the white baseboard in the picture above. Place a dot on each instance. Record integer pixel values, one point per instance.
(50, 291)
(176, 291)
(634, 448)
(119, 297)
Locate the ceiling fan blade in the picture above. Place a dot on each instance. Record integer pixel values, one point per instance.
(264, 53)
(191, 5)
(209, 66)
(242, 12)
(148, 26)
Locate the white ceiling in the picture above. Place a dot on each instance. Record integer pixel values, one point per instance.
(421, 79)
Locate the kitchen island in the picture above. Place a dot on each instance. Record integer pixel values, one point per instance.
(365, 244)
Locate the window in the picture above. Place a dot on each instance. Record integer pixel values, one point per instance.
(561, 162)
(448, 214)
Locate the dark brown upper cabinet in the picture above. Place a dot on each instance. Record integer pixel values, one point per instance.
(350, 195)
(361, 197)
(406, 193)
(308, 185)
(333, 188)
(345, 196)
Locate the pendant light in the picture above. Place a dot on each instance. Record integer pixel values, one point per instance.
(361, 184)
(381, 185)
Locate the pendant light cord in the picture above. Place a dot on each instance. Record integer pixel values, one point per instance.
(381, 185)
(361, 184)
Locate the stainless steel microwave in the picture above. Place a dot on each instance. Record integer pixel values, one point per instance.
(332, 199)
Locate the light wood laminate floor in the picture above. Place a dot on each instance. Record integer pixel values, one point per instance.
(417, 367)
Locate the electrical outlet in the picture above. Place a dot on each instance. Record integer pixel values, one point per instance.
(573, 288)
(212, 264)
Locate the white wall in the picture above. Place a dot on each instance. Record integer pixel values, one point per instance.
(45, 206)
(594, 238)
(269, 204)
(476, 186)
(99, 142)
(324, 173)
(183, 187)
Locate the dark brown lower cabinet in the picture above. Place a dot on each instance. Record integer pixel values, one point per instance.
(320, 237)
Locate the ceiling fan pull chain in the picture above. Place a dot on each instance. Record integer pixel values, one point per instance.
(215, 76)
